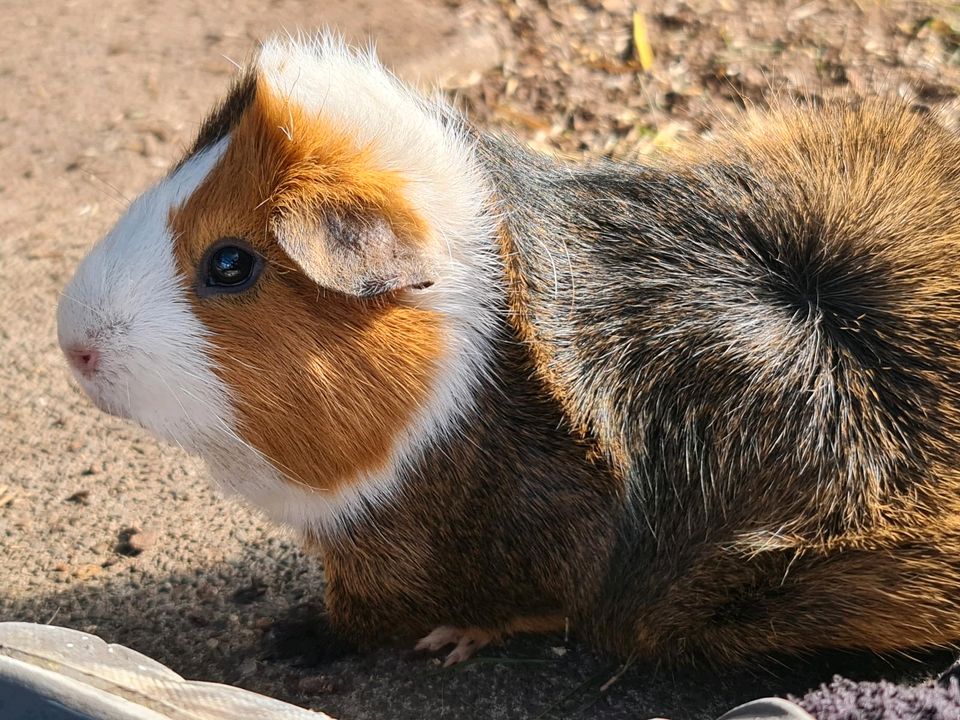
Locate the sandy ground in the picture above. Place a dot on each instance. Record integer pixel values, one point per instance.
(105, 530)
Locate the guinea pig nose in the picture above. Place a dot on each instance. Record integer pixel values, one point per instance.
(84, 359)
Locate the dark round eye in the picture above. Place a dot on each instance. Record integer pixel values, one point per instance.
(229, 266)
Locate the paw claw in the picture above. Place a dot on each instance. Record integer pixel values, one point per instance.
(467, 641)
(438, 638)
(452, 659)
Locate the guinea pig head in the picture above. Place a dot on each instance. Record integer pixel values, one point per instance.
(305, 300)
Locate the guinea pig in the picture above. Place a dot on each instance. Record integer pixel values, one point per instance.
(703, 407)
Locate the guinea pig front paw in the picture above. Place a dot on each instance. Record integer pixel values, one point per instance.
(466, 642)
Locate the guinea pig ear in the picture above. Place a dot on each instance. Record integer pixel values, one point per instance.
(353, 253)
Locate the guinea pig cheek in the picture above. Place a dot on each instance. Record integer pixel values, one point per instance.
(325, 387)
(328, 388)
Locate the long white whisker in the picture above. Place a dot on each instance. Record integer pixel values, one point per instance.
(99, 313)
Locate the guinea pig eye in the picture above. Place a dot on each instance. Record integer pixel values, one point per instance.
(229, 266)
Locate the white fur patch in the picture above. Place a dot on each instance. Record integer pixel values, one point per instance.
(128, 300)
(250, 476)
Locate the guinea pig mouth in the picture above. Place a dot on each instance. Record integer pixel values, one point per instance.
(99, 392)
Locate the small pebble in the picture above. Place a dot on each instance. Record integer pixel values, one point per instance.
(316, 685)
(87, 571)
(7, 495)
(81, 497)
(134, 541)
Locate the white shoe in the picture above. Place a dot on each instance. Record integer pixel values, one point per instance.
(767, 709)
(54, 673)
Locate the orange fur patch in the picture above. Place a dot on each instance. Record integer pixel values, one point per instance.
(536, 624)
(323, 384)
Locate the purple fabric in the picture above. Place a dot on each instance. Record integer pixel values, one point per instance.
(844, 699)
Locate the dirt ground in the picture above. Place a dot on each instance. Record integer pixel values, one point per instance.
(106, 530)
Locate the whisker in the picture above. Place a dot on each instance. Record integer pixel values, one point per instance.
(99, 313)
(118, 197)
(170, 390)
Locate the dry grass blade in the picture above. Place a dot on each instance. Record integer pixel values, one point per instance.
(642, 52)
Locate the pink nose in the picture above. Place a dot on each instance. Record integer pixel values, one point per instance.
(83, 359)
